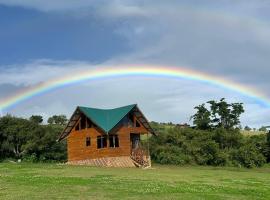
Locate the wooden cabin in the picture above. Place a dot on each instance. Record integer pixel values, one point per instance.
(108, 137)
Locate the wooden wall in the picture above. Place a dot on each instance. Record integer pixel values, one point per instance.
(77, 149)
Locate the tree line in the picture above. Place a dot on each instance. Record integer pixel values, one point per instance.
(215, 139)
(30, 140)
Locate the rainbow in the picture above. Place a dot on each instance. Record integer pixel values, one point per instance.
(123, 71)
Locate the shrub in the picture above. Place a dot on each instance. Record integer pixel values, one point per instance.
(228, 138)
(170, 155)
(30, 158)
(247, 156)
(209, 154)
(267, 151)
(217, 147)
(260, 142)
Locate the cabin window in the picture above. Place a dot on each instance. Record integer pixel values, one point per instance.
(137, 124)
(128, 120)
(88, 141)
(89, 123)
(77, 127)
(83, 122)
(114, 141)
(125, 121)
(101, 142)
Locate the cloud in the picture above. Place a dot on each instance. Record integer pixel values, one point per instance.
(115, 8)
(216, 37)
(162, 99)
(218, 42)
(38, 71)
(49, 5)
(255, 116)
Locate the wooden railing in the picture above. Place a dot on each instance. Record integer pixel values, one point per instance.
(141, 157)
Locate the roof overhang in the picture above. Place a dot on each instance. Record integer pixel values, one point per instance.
(143, 120)
(77, 113)
(70, 125)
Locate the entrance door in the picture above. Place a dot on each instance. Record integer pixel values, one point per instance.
(134, 140)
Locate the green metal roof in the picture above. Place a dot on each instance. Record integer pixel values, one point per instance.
(106, 119)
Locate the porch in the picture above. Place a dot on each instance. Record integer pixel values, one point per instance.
(139, 150)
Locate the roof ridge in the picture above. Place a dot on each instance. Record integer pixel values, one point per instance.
(106, 119)
(107, 109)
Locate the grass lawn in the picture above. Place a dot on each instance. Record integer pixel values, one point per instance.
(51, 181)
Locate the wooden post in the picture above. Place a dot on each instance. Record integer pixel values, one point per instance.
(148, 150)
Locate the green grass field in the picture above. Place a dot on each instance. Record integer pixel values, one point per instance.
(51, 181)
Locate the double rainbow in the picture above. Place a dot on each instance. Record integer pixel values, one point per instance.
(123, 71)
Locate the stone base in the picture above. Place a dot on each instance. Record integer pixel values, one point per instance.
(123, 161)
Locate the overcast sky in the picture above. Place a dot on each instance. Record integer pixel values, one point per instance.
(41, 40)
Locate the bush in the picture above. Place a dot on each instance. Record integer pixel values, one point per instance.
(171, 155)
(228, 138)
(218, 147)
(208, 153)
(267, 151)
(247, 156)
(222, 159)
(30, 158)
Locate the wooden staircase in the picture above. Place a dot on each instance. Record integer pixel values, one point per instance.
(140, 158)
(122, 161)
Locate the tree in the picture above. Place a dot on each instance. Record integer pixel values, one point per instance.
(16, 132)
(42, 144)
(202, 117)
(268, 145)
(247, 128)
(263, 128)
(36, 118)
(220, 115)
(58, 120)
(23, 138)
(268, 138)
(220, 112)
(237, 110)
(226, 115)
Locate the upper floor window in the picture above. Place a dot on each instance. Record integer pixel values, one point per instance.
(83, 122)
(137, 124)
(89, 123)
(88, 141)
(128, 120)
(77, 127)
(114, 141)
(101, 142)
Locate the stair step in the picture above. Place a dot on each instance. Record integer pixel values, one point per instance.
(122, 161)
